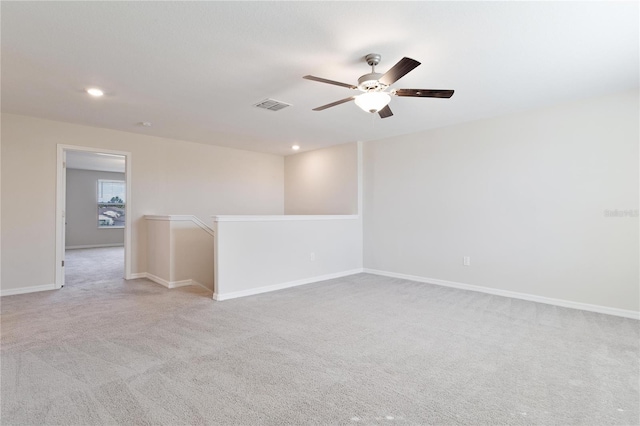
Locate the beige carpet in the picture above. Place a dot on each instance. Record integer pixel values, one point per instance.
(358, 350)
(93, 265)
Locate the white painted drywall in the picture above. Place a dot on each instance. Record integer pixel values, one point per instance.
(179, 250)
(255, 253)
(524, 196)
(192, 253)
(159, 249)
(168, 176)
(324, 181)
(82, 210)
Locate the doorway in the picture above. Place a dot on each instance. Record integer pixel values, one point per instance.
(93, 224)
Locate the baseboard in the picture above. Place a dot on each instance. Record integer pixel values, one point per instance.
(282, 286)
(513, 294)
(165, 283)
(94, 246)
(194, 282)
(24, 290)
(138, 275)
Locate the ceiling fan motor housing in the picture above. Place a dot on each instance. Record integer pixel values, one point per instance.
(369, 82)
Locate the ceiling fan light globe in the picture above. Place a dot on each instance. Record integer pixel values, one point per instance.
(372, 101)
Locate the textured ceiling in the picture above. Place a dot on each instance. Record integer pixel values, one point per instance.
(194, 69)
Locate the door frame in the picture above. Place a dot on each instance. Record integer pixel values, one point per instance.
(61, 197)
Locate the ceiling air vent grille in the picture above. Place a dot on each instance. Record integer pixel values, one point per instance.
(271, 105)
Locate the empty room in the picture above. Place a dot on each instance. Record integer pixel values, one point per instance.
(328, 213)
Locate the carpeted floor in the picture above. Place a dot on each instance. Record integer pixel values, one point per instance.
(357, 350)
(93, 265)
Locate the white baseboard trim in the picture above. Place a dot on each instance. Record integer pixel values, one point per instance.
(165, 283)
(282, 286)
(138, 275)
(194, 282)
(94, 246)
(513, 294)
(24, 290)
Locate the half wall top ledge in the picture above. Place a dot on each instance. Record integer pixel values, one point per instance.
(277, 218)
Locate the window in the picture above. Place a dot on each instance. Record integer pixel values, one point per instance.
(111, 203)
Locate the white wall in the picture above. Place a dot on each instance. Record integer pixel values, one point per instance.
(179, 251)
(159, 249)
(192, 251)
(82, 210)
(258, 254)
(523, 195)
(324, 181)
(168, 177)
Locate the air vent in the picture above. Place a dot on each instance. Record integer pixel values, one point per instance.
(271, 105)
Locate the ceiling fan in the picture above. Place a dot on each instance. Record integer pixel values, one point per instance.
(376, 96)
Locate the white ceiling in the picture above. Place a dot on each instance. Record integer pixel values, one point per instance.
(194, 69)
(94, 161)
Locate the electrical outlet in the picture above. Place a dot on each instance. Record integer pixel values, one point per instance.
(312, 257)
(466, 261)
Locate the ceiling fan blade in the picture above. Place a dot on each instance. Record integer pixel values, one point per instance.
(424, 93)
(332, 104)
(399, 70)
(324, 80)
(385, 112)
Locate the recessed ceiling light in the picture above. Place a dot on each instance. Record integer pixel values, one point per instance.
(145, 123)
(295, 147)
(95, 92)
